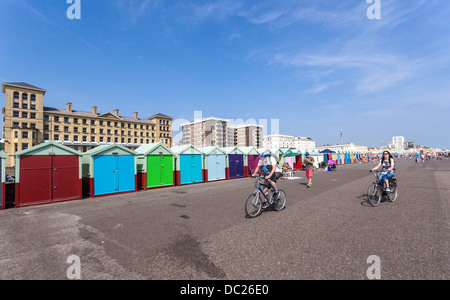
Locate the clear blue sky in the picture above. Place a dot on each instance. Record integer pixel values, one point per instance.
(318, 66)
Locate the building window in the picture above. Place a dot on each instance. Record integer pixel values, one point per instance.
(100, 123)
(16, 147)
(75, 129)
(92, 138)
(24, 106)
(129, 141)
(66, 129)
(16, 114)
(92, 122)
(108, 131)
(16, 105)
(101, 139)
(101, 131)
(92, 130)
(24, 146)
(33, 125)
(32, 115)
(66, 138)
(75, 120)
(75, 138)
(84, 138)
(56, 128)
(109, 140)
(33, 97)
(66, 120)
(84, 130)
(56, 118)
(56, 137)
(16, 134)
(115, 124)
(16, 124)
(24, 115)
(46, 137)
(116, 140)
(135, 141)
(16, 95)
(46, 118)
(84, 121)
(84, 148)
(123, 140)
(33, 106)
(24, 96)
(24, 125)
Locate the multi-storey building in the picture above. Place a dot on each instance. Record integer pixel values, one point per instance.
(205, 132)
(247, 135)
(217, 132)
(287, 141)
(27, 122)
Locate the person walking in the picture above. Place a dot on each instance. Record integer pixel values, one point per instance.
(309, 167)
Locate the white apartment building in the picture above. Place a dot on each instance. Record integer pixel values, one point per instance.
(217, 132)
(205, 132)
(398, 142)
(247, 135)
(288, 141)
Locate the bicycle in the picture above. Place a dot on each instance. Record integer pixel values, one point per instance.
(254, 202)
(377, 192)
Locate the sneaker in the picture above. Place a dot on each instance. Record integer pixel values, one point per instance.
(308, 185)
(276, 196)
(264, 206)
(388, 190)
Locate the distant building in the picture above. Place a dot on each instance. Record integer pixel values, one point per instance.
(398, 142)
(288, 141)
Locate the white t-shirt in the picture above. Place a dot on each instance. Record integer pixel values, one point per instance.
(269, 161)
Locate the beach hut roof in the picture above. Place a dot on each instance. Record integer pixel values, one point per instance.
(151, 148)
(250, 150)
(211, 149)
(53, 147)
(186, 148)
(107, 148)
(230, 150)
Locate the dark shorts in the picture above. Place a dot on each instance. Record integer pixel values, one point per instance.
(274, 178)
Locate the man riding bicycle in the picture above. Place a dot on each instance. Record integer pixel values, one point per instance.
(272, 172)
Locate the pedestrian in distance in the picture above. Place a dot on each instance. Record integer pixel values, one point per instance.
(309, 167)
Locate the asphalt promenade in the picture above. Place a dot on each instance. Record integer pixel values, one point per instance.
(200, 231)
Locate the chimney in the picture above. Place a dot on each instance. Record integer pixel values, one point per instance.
(135, 116)
(94, 110)
(116, 112)
(69, 107)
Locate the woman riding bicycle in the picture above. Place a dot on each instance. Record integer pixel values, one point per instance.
(387, 171)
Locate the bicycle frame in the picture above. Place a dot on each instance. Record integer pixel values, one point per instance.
(260, 190)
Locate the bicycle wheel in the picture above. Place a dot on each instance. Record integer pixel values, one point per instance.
(253, 205)
(280, 204)
(373, 195)
(393, 194)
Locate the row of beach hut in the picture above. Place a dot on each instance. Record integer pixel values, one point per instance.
(51, 172)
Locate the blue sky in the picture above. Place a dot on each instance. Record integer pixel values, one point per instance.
(317, 66)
